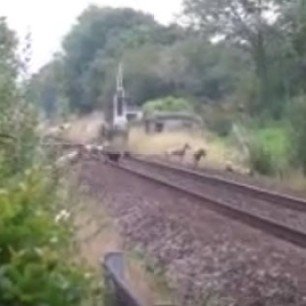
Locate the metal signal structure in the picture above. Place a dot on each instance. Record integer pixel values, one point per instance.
(116, 128)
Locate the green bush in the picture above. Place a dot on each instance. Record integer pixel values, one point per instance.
(261, 159)
(38, 265)
(269, 148)
(297, 115)
(168, 104)
(275, 138)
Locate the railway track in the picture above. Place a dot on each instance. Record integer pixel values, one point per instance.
(191, 183)
(274, 198)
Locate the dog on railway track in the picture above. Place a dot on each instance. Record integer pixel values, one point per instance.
(179, 152)
(198, 155)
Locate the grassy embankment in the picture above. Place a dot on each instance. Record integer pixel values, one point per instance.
(220, 151)
(269, 151)
(277, 156)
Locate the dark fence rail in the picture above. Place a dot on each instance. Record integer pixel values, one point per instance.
(119, 293)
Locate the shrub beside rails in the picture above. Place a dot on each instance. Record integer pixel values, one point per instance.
(37, 261)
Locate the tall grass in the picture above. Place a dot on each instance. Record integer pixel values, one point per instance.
(270, 150)
(220, 152)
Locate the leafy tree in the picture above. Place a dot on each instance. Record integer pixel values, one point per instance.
(191, 67)
(144, 74)
(8, 65)
(158, 60)
(205, 71)
(17, 119)
(293, 27)
(248, 24)
(103, 33)
(46, 88)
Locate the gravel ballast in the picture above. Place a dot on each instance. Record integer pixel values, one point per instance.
(204, 255)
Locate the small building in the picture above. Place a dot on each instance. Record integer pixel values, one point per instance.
(159, 122)
(133, 113)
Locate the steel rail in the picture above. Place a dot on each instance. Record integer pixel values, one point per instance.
(272, 197)
(263, 224)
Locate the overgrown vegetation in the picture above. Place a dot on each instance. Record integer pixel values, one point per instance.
(168, 104)
(38, 264)
(269, 150)
(297, 115)
(236, 61)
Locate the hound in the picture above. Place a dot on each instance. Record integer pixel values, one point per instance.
(179, 152)
(197, 155)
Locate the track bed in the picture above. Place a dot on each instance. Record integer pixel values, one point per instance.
(203, 253)
(248, 202)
